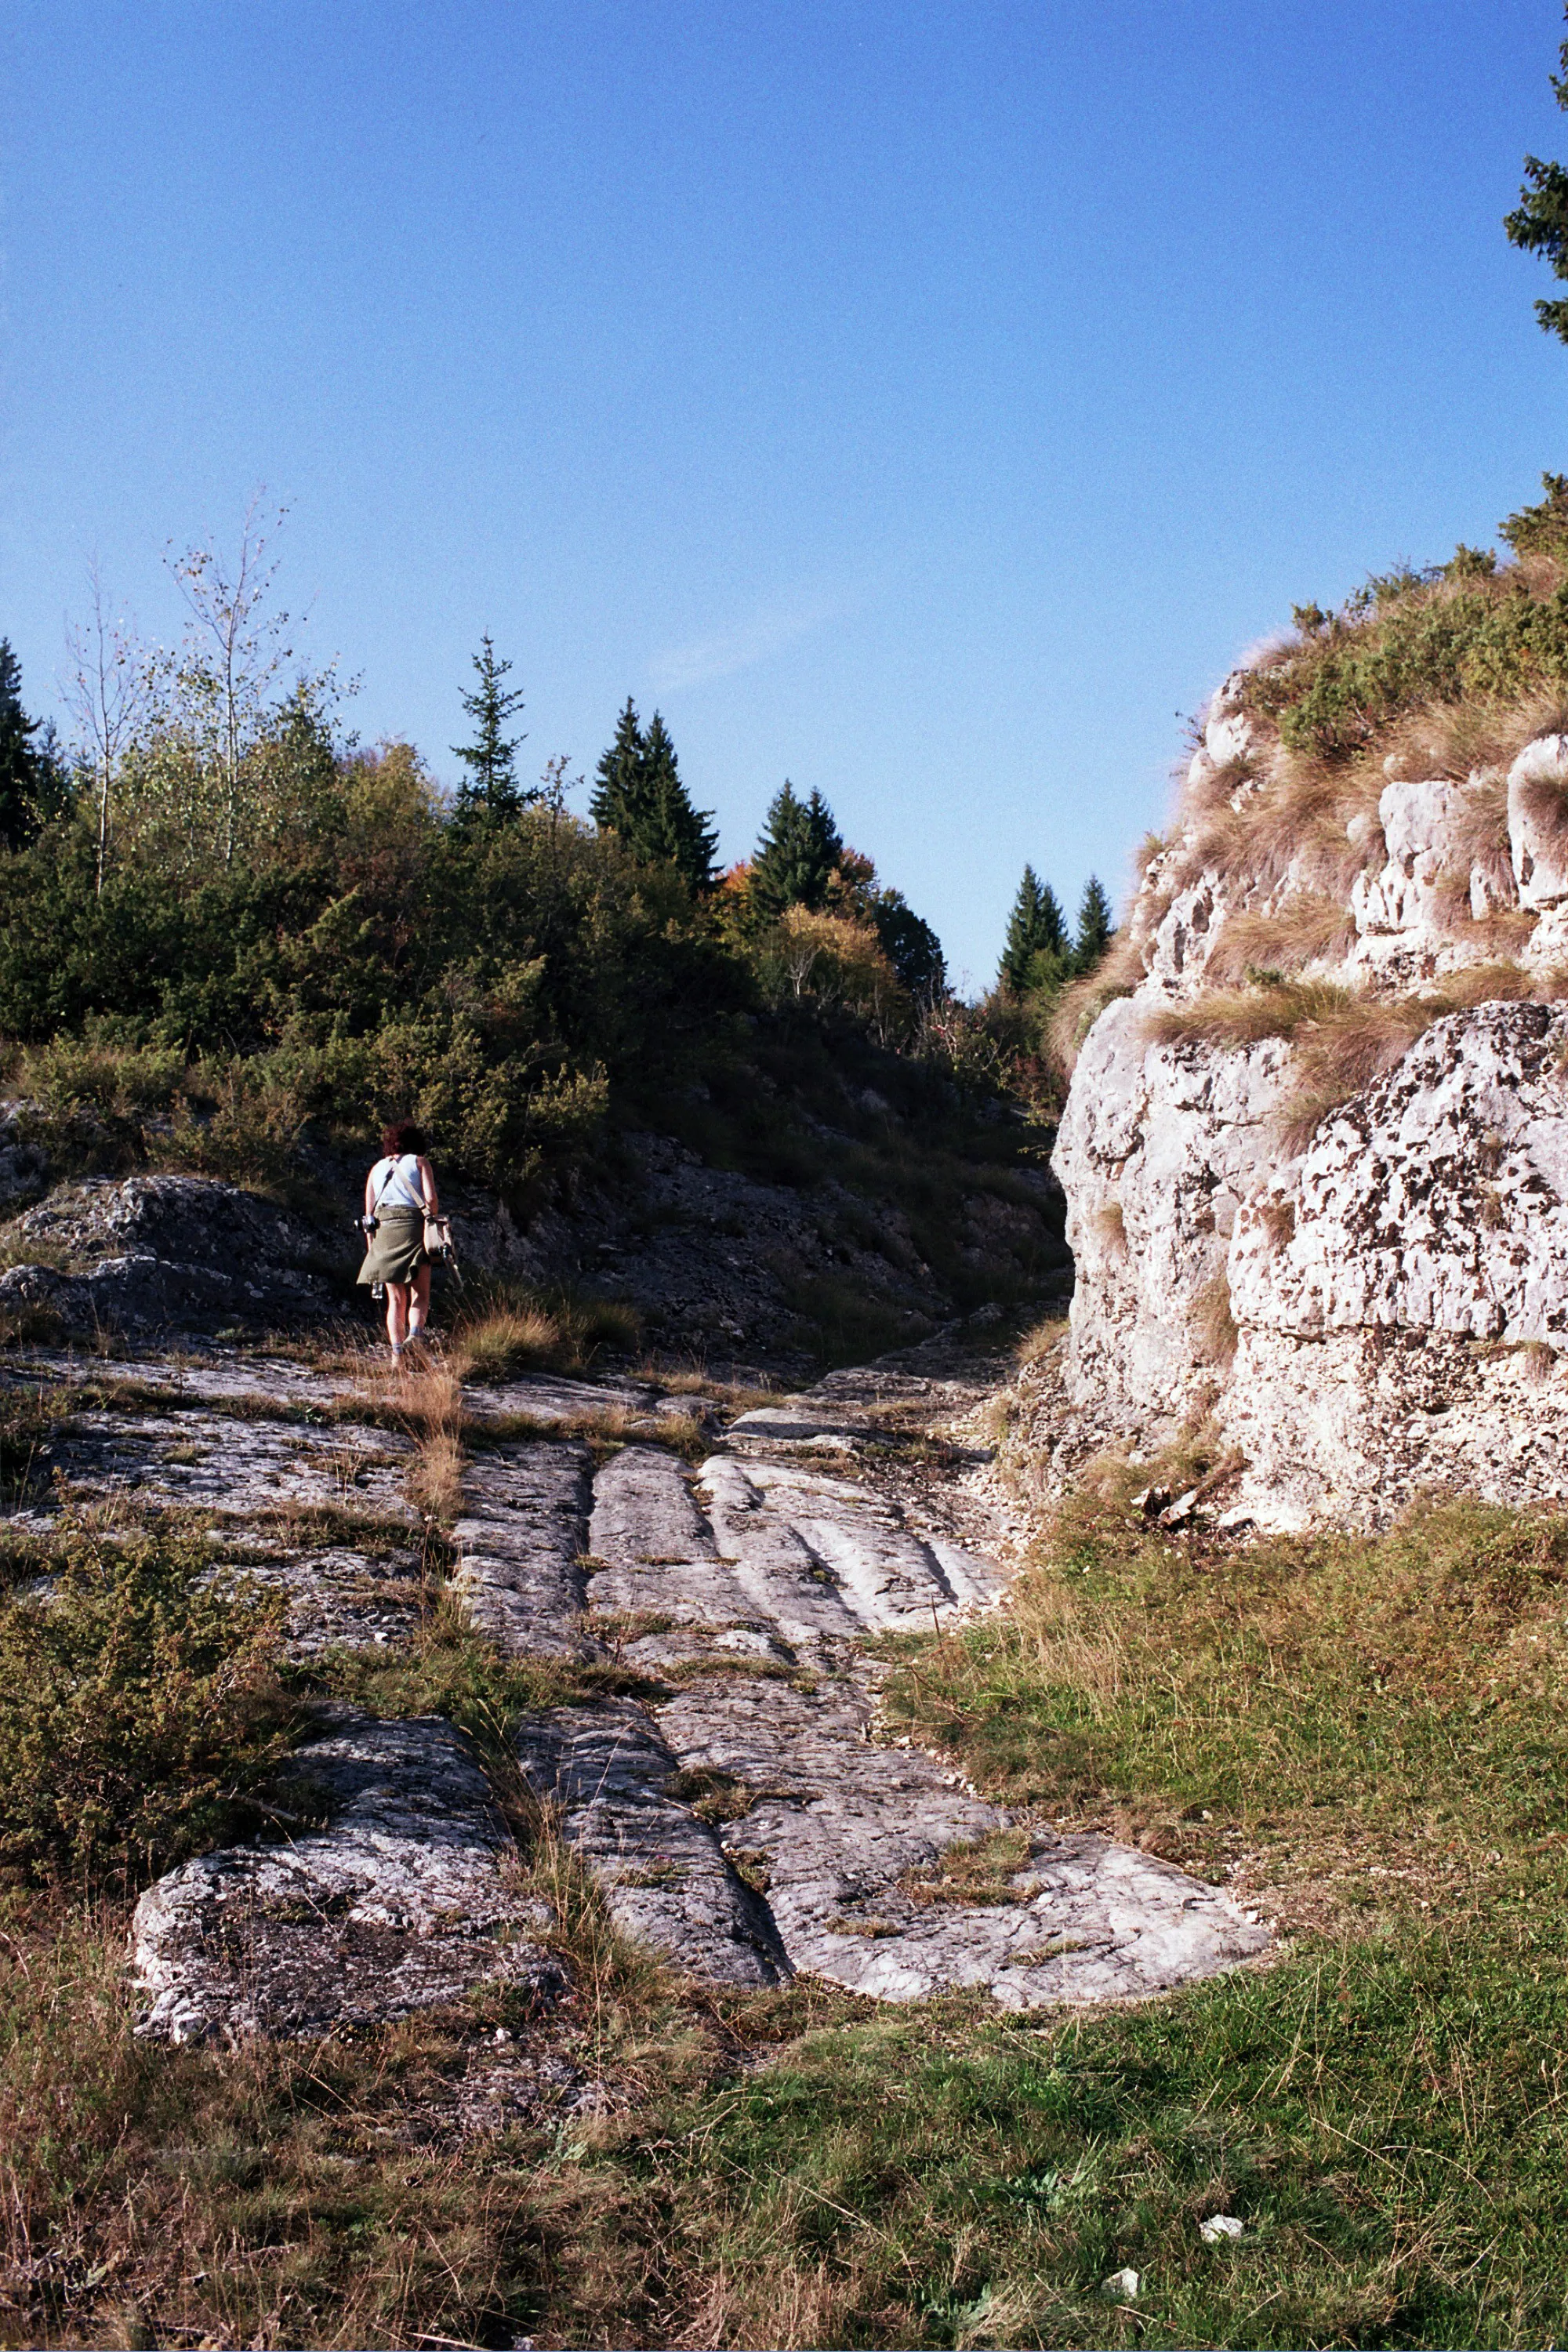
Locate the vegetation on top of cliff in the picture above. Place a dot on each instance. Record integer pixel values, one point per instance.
(1469, 630)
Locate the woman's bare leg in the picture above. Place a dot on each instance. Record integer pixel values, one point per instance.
(396, 1317)
(419, 1312)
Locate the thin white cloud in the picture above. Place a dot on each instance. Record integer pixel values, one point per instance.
(768, 632)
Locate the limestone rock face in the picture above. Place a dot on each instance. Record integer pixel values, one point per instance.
(1159, 1146)
(1434, 1202)
(1382, 1313)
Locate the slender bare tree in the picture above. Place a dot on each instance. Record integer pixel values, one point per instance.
(234, 649)
(107, 692)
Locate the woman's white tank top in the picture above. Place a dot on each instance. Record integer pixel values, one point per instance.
(395, 1183)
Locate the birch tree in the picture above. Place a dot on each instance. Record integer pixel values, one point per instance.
(233, 652)
(108, 692)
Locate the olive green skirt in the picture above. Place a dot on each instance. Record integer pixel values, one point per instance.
(396, 1249)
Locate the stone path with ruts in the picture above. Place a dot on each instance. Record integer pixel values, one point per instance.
(742, 1814)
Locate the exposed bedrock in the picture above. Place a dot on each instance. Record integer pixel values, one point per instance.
(1376, 1307)
(742, 1816)
(748, 1824)
(143, 1254)
(399, 1903)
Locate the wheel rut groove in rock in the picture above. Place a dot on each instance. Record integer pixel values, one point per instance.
(746, 1823)
(520, 1543)
(740, 1812)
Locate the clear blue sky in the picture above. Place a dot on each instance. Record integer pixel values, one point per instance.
(923, 401)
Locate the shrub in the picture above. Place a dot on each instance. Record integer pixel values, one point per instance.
(1408, 642)
(138, 1704)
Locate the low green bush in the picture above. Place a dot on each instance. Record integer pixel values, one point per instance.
(138, 1705)
(1464, 631)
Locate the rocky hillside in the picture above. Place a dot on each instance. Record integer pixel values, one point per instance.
(807, 1206)
(1316, 1146)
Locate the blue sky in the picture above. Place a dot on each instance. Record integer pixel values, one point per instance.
(925, 402)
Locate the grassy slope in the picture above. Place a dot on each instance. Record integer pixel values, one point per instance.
(1370, 1733)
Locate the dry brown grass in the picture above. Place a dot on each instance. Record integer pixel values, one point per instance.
(1295, 825)
(1306, 928)
(530, 1332)
(1082, 1002)
(434, 1480)
(1459, 740)
(1211, 1322)
(1340, 1040)
(1041, 1341)
(1110, 1226)
(514, 1339)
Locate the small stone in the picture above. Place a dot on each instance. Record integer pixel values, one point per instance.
(1121, 2287)
(1218, 2228)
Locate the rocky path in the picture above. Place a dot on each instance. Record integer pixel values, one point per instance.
(739, 1814)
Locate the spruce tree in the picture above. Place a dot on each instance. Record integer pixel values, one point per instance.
(23, 768)
(1540, 221)
(640, 797)
(490, 790)
(797, 854)
(617, 802)
(1035, 929)
(1094, 927)
(671, 828)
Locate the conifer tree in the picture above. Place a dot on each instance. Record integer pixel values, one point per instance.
(490, 790)
(23, 767)
(617, 796)
(1540, 221)
(1094, 927)
(1035, 929)
(671, 827)
(910, 944)
(797, 854)
(639, 794)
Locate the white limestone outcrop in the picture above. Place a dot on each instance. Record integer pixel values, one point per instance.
(1383, 1313)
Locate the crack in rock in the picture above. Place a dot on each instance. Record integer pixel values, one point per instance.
(663, 1872)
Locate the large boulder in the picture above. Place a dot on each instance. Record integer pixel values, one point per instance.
(140, 1253)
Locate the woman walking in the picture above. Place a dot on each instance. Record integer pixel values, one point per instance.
(399, 1194)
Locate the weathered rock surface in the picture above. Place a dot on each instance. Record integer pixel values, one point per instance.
(743, 1818)
(520, 1543)
(399, 1904)
(242, 1469)
(147, 1253)
(1350, 1310)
